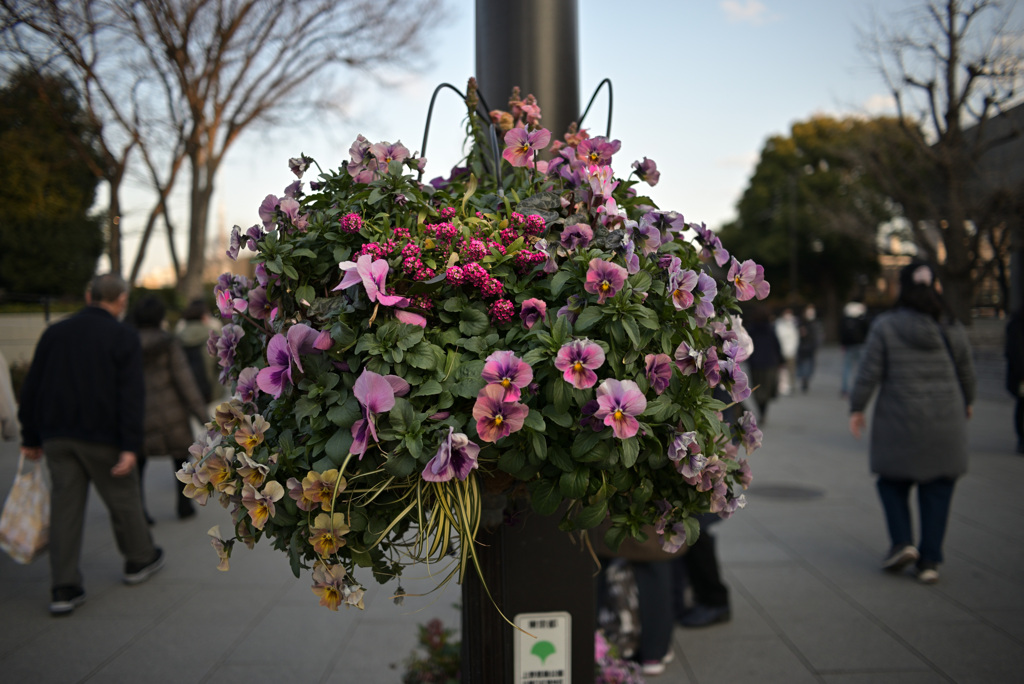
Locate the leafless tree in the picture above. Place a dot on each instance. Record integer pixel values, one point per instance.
(952, 66)
(183, 79)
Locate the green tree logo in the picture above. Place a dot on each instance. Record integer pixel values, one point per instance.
(542, 649)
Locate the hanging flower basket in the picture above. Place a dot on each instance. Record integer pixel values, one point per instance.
(538, 325)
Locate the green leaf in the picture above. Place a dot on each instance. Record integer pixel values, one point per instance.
(692, 527)
(427, 388)
(573, 485)
(421, 356)
(402, 415)
(338, 445)
(473, 322)
(400, 464)
(630, 451)
(306, 408)
(410, 336)
(632, 331)
(540, 445)
(511, 461)
(640, 281)
(661, 409)
(305, 293)
(585, 441)
(614, 537)
(560, 418)
(560, 331)
(560, 458)
(468, 388)
(535, 421)
(546, 497)
(587, 319)
(592, 515)
(558, 281)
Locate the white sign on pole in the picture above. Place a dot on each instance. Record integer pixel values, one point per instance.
(545, 657)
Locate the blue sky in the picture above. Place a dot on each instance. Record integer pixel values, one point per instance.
(699, 85)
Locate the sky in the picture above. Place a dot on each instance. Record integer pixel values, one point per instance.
(699, 87)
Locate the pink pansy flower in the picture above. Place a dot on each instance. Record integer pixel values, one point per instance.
(247, 390)
(376, 395)
(647, 171)
(495, 417)
(748, 278)
(618, 402)
(658, 370)
(578, 360)
(532, 311)
(505, 369)
(456, 457)
(385, 153)
(521, 145)
(227, 304)
(681, 284)
(688, 360)
(604, 279)
(290, 208)
(260, 504)
(410, 318)
(371, 274)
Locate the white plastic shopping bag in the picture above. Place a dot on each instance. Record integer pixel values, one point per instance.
(25, 521)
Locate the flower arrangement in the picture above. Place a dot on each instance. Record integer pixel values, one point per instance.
(540, 329)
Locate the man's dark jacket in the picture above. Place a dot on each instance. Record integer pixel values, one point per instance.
(85, 383)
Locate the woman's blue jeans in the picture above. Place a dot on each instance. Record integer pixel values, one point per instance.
(933, 500)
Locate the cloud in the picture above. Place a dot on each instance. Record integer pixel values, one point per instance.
(880, 103)
(744, 161)
(749, 11)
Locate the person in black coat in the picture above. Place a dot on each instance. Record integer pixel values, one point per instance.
(82, 405)
(765, 360)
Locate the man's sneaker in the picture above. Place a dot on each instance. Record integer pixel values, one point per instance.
(137, 573)
(653, 668)
(900, 557)
(927, 573)
(705, 616)
(66, 599)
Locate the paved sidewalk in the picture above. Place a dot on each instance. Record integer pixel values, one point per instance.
(809, 602)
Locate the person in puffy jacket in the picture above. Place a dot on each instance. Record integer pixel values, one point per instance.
(922, 369)
(172, 395)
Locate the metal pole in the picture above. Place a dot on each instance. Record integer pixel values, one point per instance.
(531, 44)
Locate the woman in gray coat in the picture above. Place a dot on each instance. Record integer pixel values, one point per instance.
(172, 394)
(922, 369)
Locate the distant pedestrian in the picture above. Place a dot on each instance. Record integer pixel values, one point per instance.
(787, 329)
(853, 330)
(810, 340)
(1015, 372)
(921, 365)
(82, 405)
(764, 361)
(172, 395)
(193, 331)
(8, 407)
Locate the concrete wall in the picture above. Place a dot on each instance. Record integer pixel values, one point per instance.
(19, 334)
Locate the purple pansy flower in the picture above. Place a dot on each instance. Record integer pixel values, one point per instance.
(573, 306)
(456, 457)
(385, 153)
(532, 311)
(234, 243)
(685, 453)
(299, 164)
(658, 370)
(362, 166)
(748, 278)
(576, 236)
(505, 369)
(597, 151)
(708, 289)
(712, 245)
(495, 417)
(647, 170)
(520, 145)
(618, 402)
(268, 210)
(751, 435)
(283, 353)
(578, 360)
(289, 206)
(375, 394)
(371, 274)
(223, 347)
(260, 307)
(604, 279)
(739, 388)
(247, 389)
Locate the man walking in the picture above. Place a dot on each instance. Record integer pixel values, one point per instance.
(82, 406)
